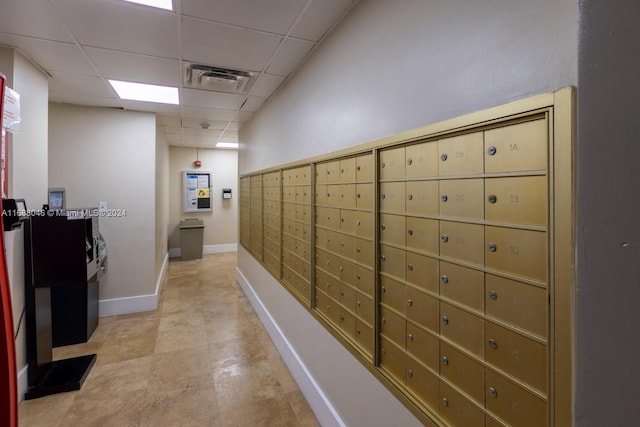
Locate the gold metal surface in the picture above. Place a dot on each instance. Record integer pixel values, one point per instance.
(519, 147)
(393, 326)
(393, 294)
(458, 411)
(462, 198)
(462, 241)
(364, 307)
(421, 160)
(392, 359)
(392, 164)
(422, 271)
(461, 155)
(365, 338)
(393, 261)
(364, 196)
(333, 172)
(423, 346)
(321, 173)
(348, 272)
(421, 197)
(519, 356)
(521, 252)
(364, 280)
(364, 252)
(423, 234)
(392, 197)
(517, 200)
(348, 170)
(463, 328)
(347, 196)
(462, 371)
(423, 383)
(392, 229)
(520, 304)
(463, 285)
(364, 167)
(422, 309)
(514, 404)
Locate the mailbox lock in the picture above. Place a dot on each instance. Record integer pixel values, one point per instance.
(383, 165)
(357, 167)
(444, 198)
(493, 344)
(492, 247)
(410, 302)
(492, 198)
(443, 157)
(410, 373)
(383, 227)
(383, 320)
(383, 258)
(410, 337)
(409, 161)
(358, 331)
(410, 232)
(410, 267)
(493, 295)
(444, 238)
(445, 402)
(382, 196)
(358, 303)
(358, 250)
(491, 150)
(410, 197)
(358, 276)
(358, 195)
(445, 320)
(444, 278)
(493, 392)
(383, 289)
(445, 360)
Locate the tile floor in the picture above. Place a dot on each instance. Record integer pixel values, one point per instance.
(202, 359)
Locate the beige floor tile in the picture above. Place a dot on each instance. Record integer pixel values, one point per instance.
(46, 411)
(272, 412)
(112, 410)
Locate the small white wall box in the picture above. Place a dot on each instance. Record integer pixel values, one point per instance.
(226, 193)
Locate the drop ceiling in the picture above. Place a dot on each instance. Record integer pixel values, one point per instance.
(81, 44)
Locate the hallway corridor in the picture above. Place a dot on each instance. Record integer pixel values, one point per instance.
(202, 359)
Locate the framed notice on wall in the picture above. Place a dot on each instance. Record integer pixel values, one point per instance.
(197, 190)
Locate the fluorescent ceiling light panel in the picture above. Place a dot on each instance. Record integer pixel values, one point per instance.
(161, 4)
(144, 92)
(227, 145)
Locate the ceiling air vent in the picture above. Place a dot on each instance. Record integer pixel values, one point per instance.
(206, 77)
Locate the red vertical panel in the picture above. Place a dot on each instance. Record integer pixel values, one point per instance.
(8, 377)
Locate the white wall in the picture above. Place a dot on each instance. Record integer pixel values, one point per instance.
(109, 155)
(221, 224)
(391, 66)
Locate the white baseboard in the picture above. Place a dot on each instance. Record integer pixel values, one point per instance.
(23, 382)
(208, 249)
(318, 401)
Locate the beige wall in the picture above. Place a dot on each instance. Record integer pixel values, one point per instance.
(109, 155)
(27, 173)
(162, 201)
(221, 224)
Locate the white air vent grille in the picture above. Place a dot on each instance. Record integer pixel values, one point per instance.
(207, 77)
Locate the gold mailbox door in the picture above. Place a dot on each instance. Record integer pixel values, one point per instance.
(333, 172)
(321, 194)
(422, 271)
(520, 147)
(521, 252)
(392, 163)
(348, 170)
(462, 241)
(364, 167)
(364, 252)
(393, 326)
(393, 262)
(347, 246)
(458, 411)
(364, 280)
(364, 337)
(392, 360)
(364, 196)
(423, 346)
(422, 382)
(463, 328)
(519, 304)
(348, 272)
(517, 355)
(463, 285)
(514, 404)
(348, 196)
(333, 195)
(364, 224)
(392, 195)
(423, 234)
(392, 229)
(462, 371)
(392, 294)
(517, 200)
(422, 160)
(461, 155)
(462, 198)
(421, 197)
(321, 173)
(422, 309)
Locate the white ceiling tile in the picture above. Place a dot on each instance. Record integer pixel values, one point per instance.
(152, 107)
(168, 121)
(275, 16)
(33, 18)
(121, 26)
(243, 116)
(227, 139)
(253, 103)
(207, 113)
(320, 16)
(234, 126)
(224, 46)
(75, 84)
(136, 68)
(50, 55)
(266, 85)
(208, 133)
(289, 56)
(89, 101)
(198, 141)
(205, 98)
(230, 134)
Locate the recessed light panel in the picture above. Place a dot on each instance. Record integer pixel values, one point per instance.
(161, 4)
(144, 92)
(227, 145)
